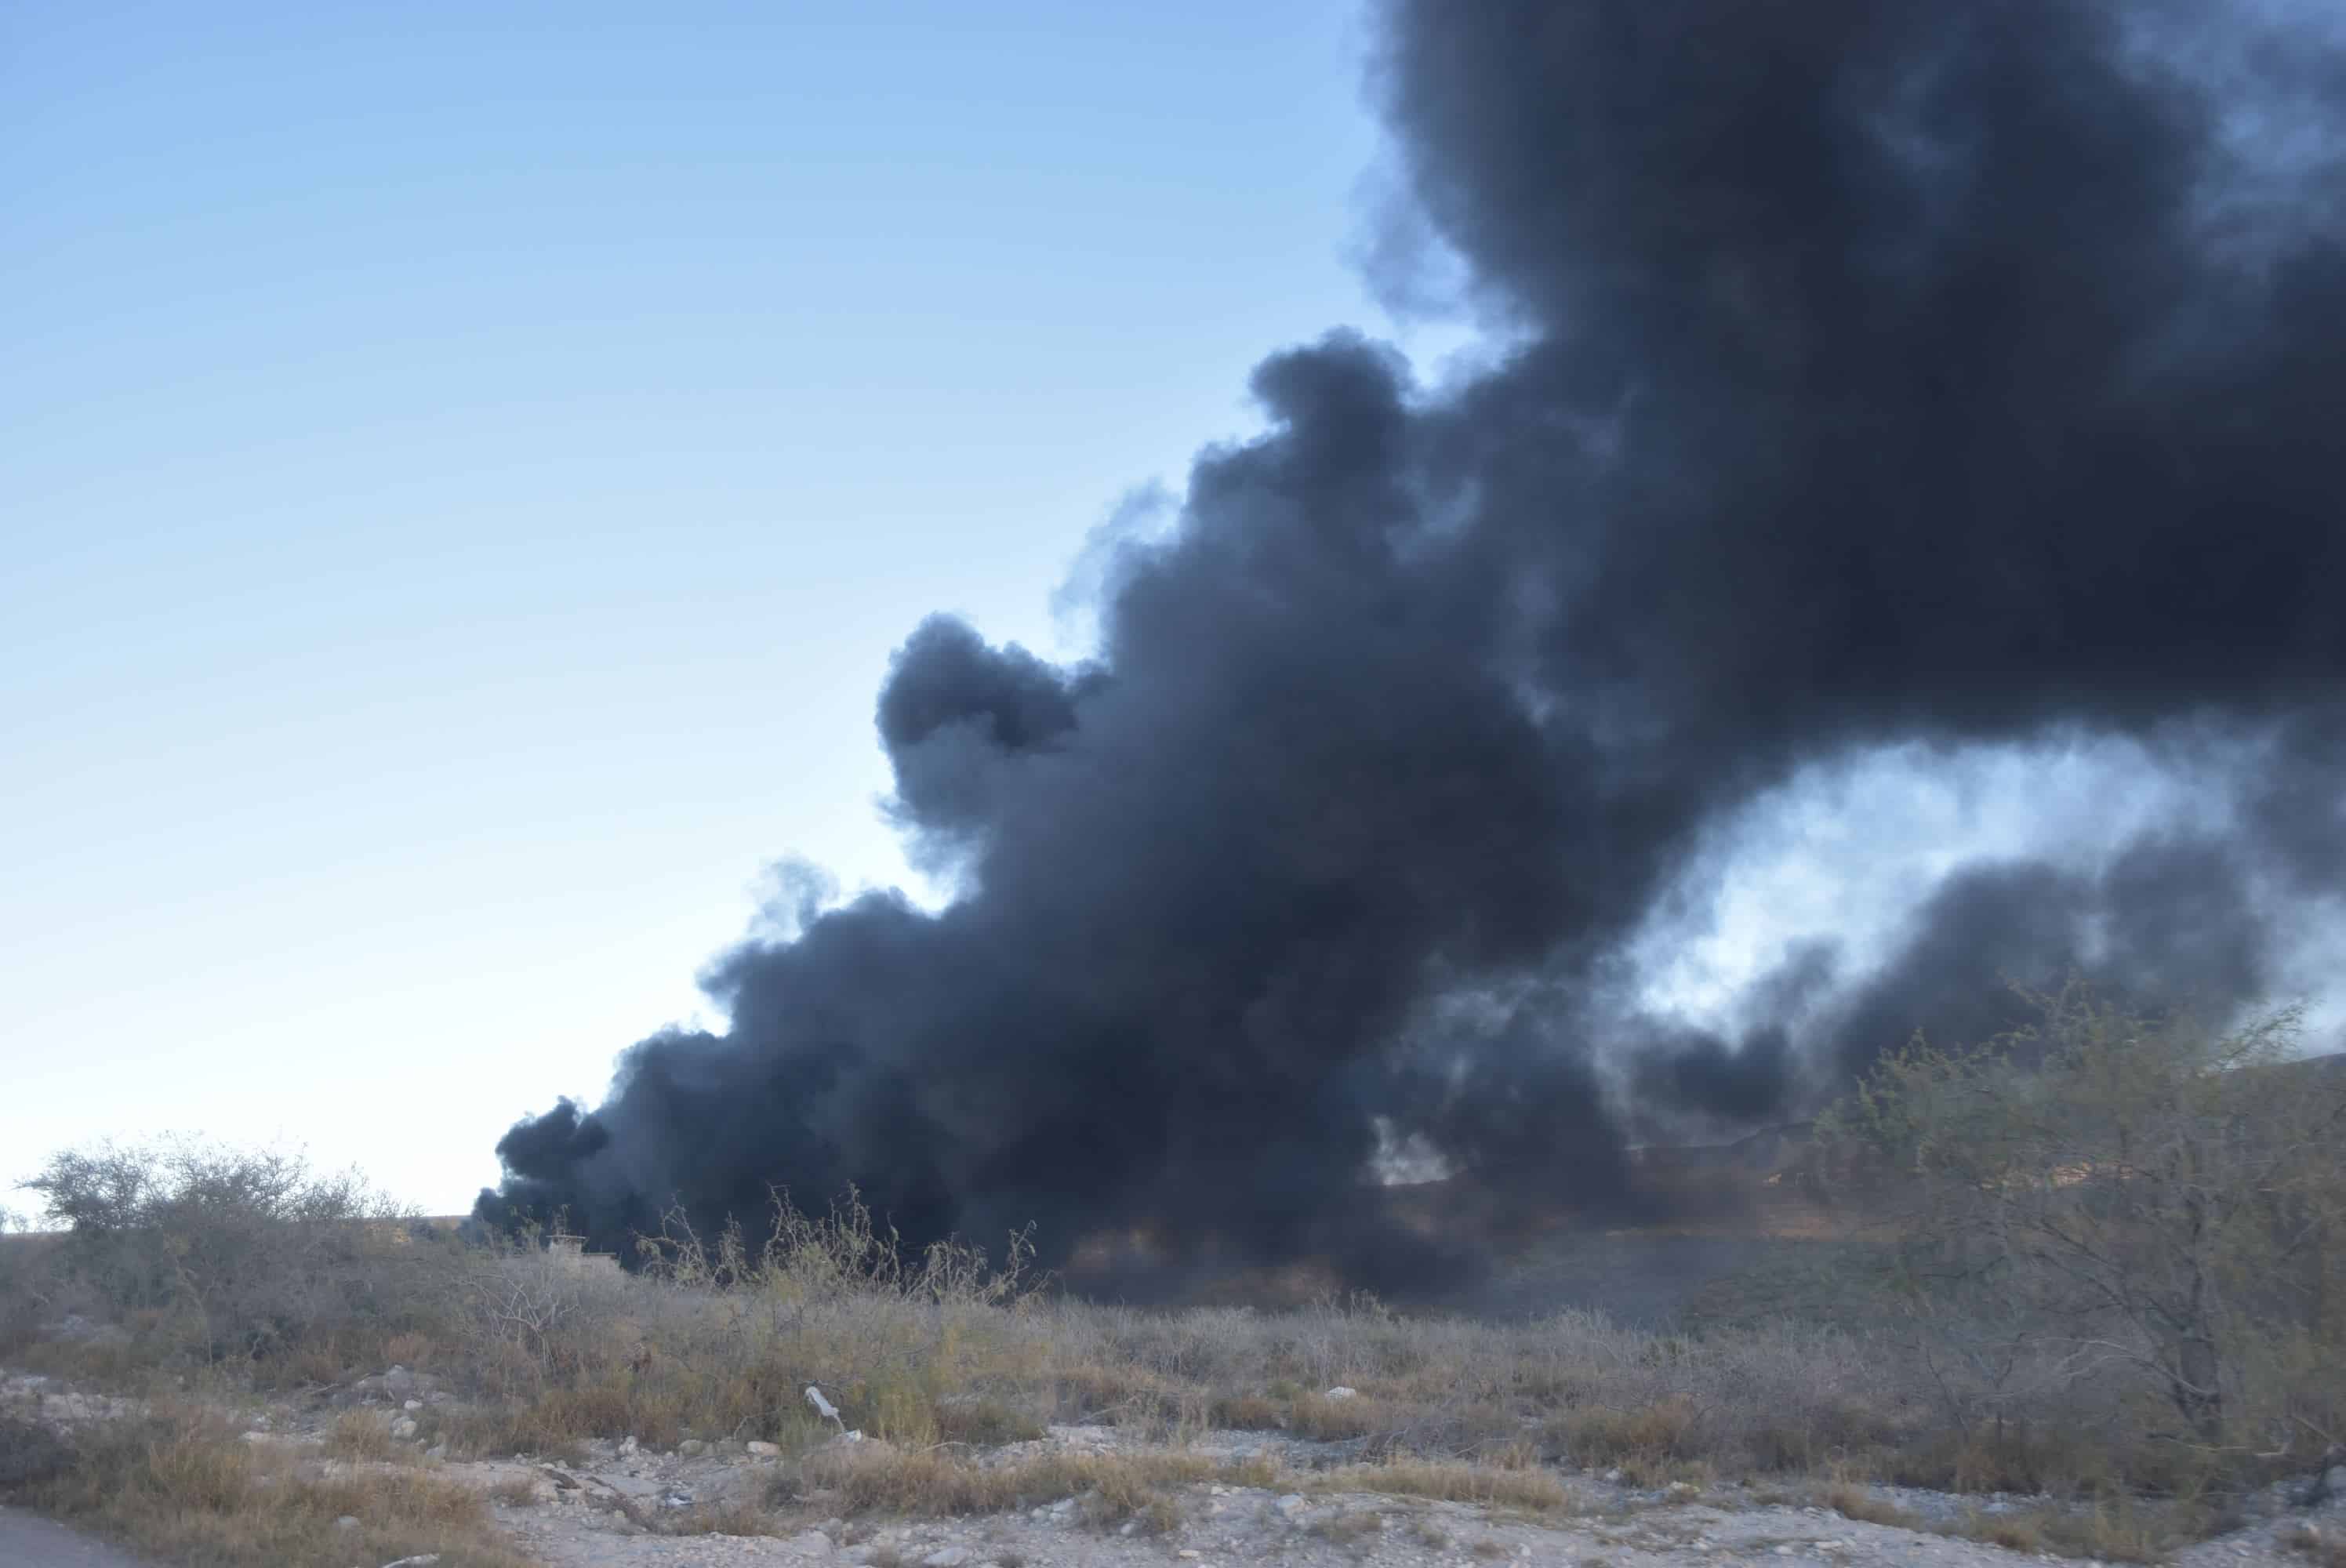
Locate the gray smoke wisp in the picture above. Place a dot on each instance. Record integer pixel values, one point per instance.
(1886, 374)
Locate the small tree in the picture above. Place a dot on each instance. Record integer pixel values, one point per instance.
(2114, 1189)
(253, 1247)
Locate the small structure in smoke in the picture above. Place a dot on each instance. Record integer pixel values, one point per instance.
(570, 1256)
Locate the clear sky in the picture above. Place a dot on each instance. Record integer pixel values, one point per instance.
(463, 470)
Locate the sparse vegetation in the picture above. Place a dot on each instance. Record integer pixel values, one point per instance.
(2108, 1280)
(180, 1484)
(222, 1254)
(1856, 1502)
(2121, 1208)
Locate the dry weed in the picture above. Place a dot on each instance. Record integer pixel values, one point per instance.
(1533, 1491)
(1115, 1487)
(1855, 1503)
(364, 1435)
(184, 1487)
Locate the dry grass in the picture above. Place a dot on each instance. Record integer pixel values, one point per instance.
(364, 1435)
(984, 1423)
(1351, 1529)
(1324, 1419)
(1532, 1491)
(2122, 1531)
(720, 1347)
(1249, 1412)
(944, 1361)
(2322, 1548)
(1114, 1488)
(183, 1486)
(1855, 1503)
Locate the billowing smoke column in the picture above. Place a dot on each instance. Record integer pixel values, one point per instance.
(1885, 373)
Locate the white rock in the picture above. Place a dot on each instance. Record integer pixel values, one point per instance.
(946, 1557)
(1292, 1505)
(1341, 1393)
(764, 1451)
(347, 1522)
(627, 1445)
(412, 1405)
(403, 1427)
(811, 1543)
(692, 1448)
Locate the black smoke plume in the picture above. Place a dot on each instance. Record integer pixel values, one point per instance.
(1884, 372)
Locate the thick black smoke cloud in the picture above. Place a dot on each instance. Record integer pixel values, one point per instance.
(1886, 371)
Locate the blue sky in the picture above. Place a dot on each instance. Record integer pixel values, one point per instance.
(463, 470)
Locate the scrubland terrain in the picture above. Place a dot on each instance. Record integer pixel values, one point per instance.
(230, 1360)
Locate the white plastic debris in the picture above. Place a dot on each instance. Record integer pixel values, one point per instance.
(823, 1407)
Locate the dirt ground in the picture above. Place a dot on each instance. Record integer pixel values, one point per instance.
(614, 1504)
(1236, 1525)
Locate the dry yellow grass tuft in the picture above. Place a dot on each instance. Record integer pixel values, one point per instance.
(1248, 1412)
(1354, 1529)
(364, 1435)
(1855, 1503)
(1533, 1490)
(1116, 1488)
(1325, 1420)
(2123, 1531)
(183, 1486)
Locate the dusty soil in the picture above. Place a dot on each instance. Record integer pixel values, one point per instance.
(614, 1505)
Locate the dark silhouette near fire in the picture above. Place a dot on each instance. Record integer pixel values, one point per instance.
(1886, 371)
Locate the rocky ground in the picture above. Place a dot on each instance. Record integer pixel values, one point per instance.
(619, 1504)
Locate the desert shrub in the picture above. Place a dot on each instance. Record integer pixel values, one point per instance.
(2106, 1212)
(228, 1252)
